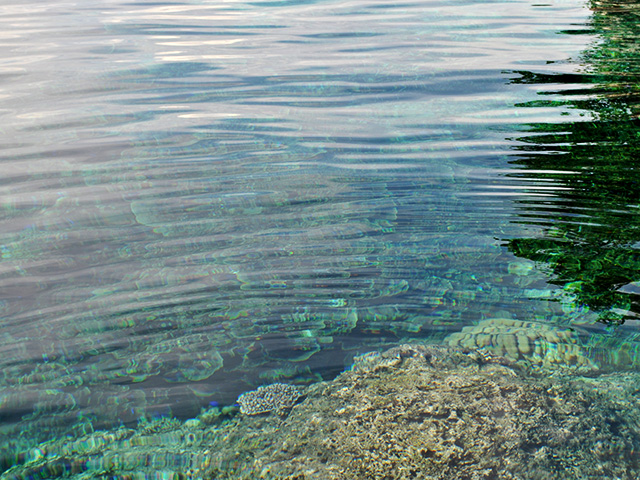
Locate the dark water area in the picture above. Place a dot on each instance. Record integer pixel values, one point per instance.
(199, 198)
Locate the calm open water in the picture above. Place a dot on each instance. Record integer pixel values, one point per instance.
(197, 198)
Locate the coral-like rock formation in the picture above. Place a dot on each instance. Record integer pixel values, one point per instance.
(539, 344)
(411, 412)
(277, 396)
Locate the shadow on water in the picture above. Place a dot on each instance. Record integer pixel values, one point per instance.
(588, 231)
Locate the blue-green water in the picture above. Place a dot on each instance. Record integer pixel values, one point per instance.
(197, 198)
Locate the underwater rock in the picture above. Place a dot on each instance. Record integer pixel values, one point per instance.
(434, 413)
(414, 411)
(542, 345)
(277, 396)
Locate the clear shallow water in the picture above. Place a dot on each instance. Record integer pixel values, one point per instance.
(199, 198)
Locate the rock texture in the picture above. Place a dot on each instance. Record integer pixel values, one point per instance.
(541, 345)
(430, 413)
(274, 397)
(413, 412)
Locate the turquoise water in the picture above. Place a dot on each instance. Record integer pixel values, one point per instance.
(198, 198)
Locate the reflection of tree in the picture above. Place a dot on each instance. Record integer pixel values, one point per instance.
(591, 229)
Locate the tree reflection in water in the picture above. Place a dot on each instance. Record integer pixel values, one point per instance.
(590, 229)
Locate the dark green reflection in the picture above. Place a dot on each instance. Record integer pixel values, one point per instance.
(590, 227)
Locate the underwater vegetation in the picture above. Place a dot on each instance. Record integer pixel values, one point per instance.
(586, 234)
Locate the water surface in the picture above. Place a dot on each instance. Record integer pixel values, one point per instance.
(198, 198)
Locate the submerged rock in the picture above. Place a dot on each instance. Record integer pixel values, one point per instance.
(411, 412)
(545, 346)
(434, 413)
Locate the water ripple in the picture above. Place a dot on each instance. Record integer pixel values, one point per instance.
(199, 197)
